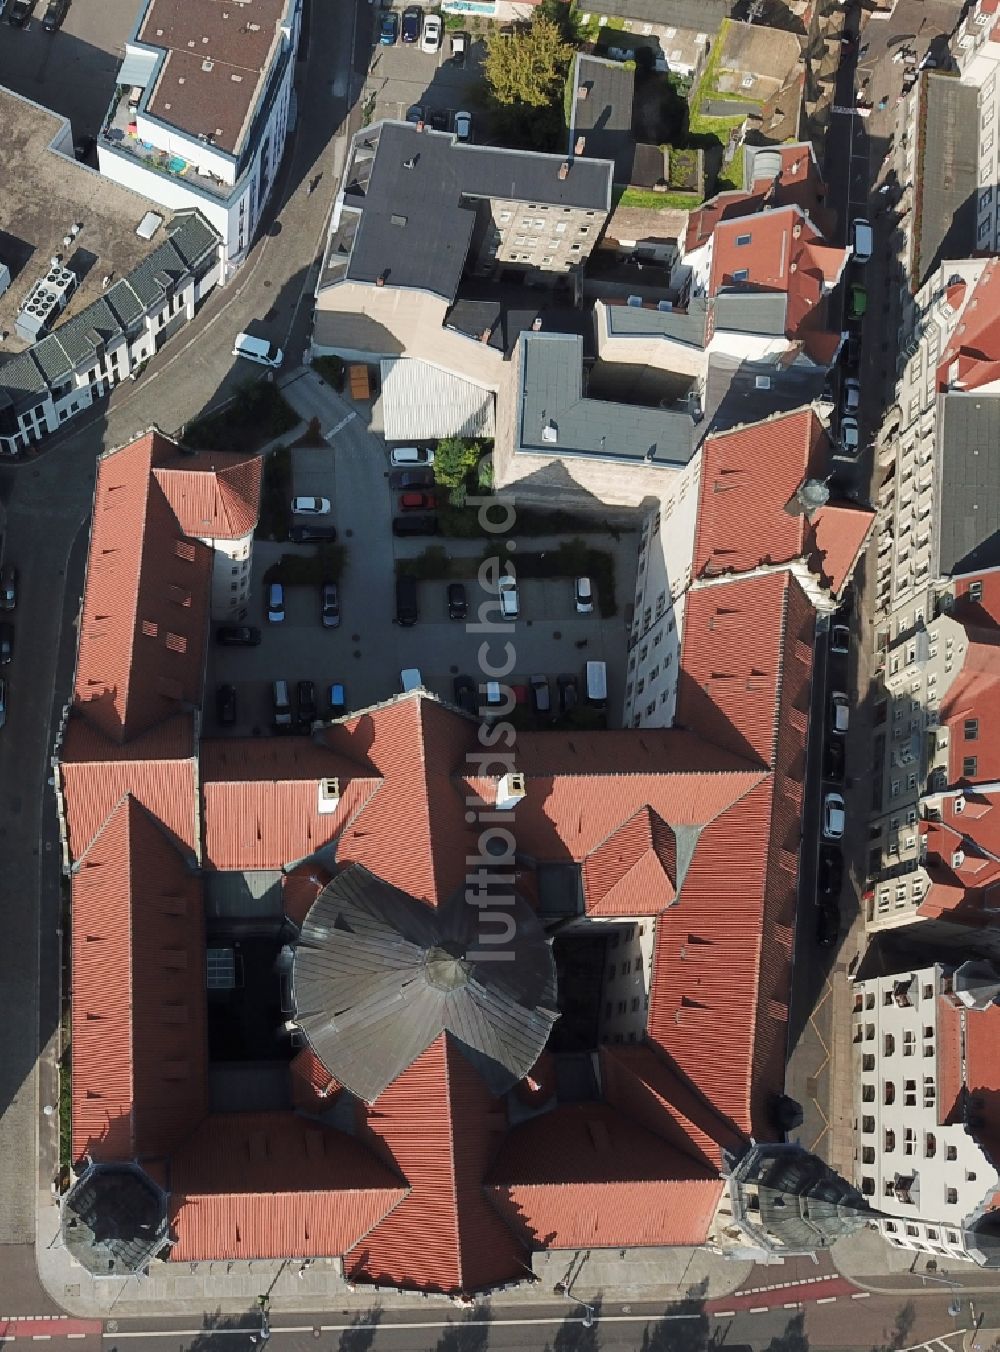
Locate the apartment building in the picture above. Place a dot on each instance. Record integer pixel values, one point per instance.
(202, 108)
(925, 1070)
(82, 360)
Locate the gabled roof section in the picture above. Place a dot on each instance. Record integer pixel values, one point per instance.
(972, 358)
(780, 176)
(266, 1185)
(212, 495)
(635, 871)
(440, 1127)
(145, 602)
(584, 1176)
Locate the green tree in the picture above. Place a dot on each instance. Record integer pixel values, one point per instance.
(454, 461)
(528, 65)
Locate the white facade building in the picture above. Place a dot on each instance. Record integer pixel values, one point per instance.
(202, 110)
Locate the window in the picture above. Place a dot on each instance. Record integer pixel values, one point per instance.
(741, 274)
(975, 592)
(621, 1006)
(868, 1125)
(868, 1154)
(741, 240)
(970, 766)
(951, 1196)
(889, 1044)
(951, 1152)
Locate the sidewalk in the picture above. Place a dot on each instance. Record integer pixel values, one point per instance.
(874, 1265)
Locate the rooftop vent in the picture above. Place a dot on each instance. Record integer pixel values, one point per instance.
(564, 169)
(958, 859)
(635, 302)
(510, 790)
(411, 163)
(550, 432)
(664, 306)
(328, 798)
(208, 65)
(536, 324)
(581, 143)
(796, 229)
(397, 219)
(582, 92)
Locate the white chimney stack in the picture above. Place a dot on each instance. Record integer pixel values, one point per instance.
(510, 790)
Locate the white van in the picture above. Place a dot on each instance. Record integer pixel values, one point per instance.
(406, 457)
(597, 684)
(862, 240)
(258, 350)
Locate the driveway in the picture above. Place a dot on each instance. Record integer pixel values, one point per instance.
(402, 76)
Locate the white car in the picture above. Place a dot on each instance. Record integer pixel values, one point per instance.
(430, 39)
(584, 596)
(311, 506)
(850, 436)
(840, 712)
(463, 126)
(507, 591)
(834, 816)
(410, 679)
(851, 394)
(405, 457)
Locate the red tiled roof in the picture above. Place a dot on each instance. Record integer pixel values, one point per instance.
(986, 610)
(441, 1127)
(583, 1176)
(139, 1036)
(799, 183)
(949, 1059)
(260, 798)
(145, 602)
(634, 872)
(270, 1185)
(156, 767)
(973, 695)
(212, 495)
(972, 357)
(313, 1087)
(300, 888)
(839, 532)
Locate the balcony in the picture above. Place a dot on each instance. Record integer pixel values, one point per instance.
(119, 134)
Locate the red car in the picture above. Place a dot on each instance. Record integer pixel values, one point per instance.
(417, 502)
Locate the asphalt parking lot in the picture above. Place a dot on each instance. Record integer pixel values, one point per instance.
(72, 71)
(402, 76)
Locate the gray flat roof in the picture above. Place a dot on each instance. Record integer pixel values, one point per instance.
(968, 483)
(417, 222)
(702, 16)
(752, 311)
(949, 175)
(552, 398)
(683, 326)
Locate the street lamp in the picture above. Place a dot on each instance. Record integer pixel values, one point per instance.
(588, 1310)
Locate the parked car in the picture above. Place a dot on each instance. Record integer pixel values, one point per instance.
(840, 638)
(541, 697)
(407, 612)
(466, 696)
(331, 606)
(459, 48)
(19, 12)
(311, 506)
(584, 596)
(417, 502)
(410, 679)
(411, 478)
(430, 39)
(850, 397)
(281, 706)
(315, 530)
(834, 816)
(857, 301)
(6, 644)
(3, 701)
(834, 757)
(862, 240)
(438, 118)
(458, 605)
(569, 693)
(411, 23)
(409, 457)
(840, 712)
(852, 352)
(463, 125)
(827, 923)
(275, 603)
(306, 695)
(237, 635)
(830, 872)
(225, 705)
(415, 524)
(389, 29)
(510, 606)
(336, 700)
(54, 15)
(850, 436)
(8, 587)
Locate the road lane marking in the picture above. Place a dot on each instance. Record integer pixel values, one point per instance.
(758, 1309)
(121, 1334)
(861, 1295)
(826, 1300)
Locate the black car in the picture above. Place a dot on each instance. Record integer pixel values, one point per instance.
(303, 534)
(438, 118)
(465, 694)
(237, 635)
(307, 701)
(225, 705)
(6, 643)
(411, 478)
(458, 605)
(830, 873)
(19, 12)
(54, 15)
(827, 923)
(569, 694)
(833, 760)
(412, 21)
(415, 523)
(8, 587)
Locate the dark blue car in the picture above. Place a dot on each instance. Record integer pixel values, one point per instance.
(389, 31)
(412, 19)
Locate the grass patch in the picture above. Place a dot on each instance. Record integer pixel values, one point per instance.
(648, 200)
(276, 496)
(330, 369)
(325, 564)
(256, 415)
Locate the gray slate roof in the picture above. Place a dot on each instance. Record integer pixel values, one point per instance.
(968, 483)
(703, 16)
(417, 223)
(378, 976)
(604, 117)
(551, 389)
(114, 1220)
(949, 181)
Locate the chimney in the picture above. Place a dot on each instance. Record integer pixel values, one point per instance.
(328, 797)
(536, 324)
(581, 142)
(380, 279)
(484, 337)
(564, 169)
(510, 790)
(582, 92)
